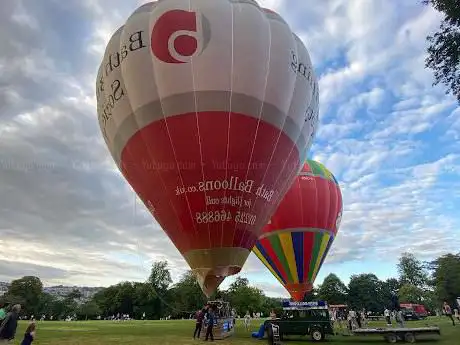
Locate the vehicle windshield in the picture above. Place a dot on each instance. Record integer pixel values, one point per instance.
(319, 313)
(311, 313)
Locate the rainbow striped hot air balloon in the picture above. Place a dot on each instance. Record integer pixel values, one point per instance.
(296, 241)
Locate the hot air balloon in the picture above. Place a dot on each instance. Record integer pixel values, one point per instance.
(206, 106)
(299, 235)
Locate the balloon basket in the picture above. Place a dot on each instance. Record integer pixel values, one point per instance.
(224, 324)
(223, 329)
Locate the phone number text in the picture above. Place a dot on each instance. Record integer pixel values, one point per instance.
(225, 216)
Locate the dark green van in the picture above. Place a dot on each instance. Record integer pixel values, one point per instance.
(304, 319)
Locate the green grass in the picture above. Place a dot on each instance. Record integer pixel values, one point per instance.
(180, 332)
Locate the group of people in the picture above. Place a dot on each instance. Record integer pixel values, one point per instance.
(9, 325)
(206, 316)
(398, 316)
(354, 319)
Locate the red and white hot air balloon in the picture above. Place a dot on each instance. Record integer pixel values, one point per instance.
(206, 107)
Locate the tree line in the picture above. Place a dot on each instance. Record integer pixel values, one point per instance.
(443, 56)
(428, 283)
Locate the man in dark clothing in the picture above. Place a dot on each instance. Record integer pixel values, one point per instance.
(199, 323)
(210, 318)
(9, 325)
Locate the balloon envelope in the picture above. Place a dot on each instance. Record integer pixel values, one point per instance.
(295, 243)
(206, 107)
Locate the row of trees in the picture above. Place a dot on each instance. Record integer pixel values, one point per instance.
(429, 283)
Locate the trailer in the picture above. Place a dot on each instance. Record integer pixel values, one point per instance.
(392, 335)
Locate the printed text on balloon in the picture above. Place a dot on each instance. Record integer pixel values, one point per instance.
(232, 184)
(302, 69)
(114, 61)
(225, 216)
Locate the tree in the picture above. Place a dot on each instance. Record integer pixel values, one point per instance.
(188, 295)
(10, 299)
(446, 277)
(106, 300)
(244, 297)
(238, 284)
(363, 291)
(144, 301)
(411, 271)
(88, 310)
(124, 298)
(444, 50)
(431, 301)
(272, 304)
(312, 295)
(333, 290)
(69, 306)
(57, 309)
(409, 293)
(27, 289)
(392, 284)
(160, 280)
(387, 287)
(160, 277)
(45, 304)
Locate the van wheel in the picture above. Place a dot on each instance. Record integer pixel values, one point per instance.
(316, 334)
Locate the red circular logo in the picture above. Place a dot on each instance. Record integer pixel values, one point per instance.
(179, 35)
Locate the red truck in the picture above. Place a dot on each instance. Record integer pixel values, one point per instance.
(414, 311)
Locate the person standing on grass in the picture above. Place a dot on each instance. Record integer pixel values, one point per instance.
(387, 314)
(9, 325)
(400, 318)
(29, 335)
(358, 319)
(448, 312)
(247, 320)
(340, 316)
(199, 323)
(364, 318)
(210, 317)
(351, 320)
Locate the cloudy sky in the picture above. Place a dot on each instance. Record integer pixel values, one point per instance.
(68, 216)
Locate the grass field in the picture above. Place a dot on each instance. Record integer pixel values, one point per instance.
(180, 332)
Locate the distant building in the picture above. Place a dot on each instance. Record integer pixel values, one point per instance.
(4, 288)
(62, 291)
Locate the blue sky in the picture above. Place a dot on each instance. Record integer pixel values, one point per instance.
(389, 136)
